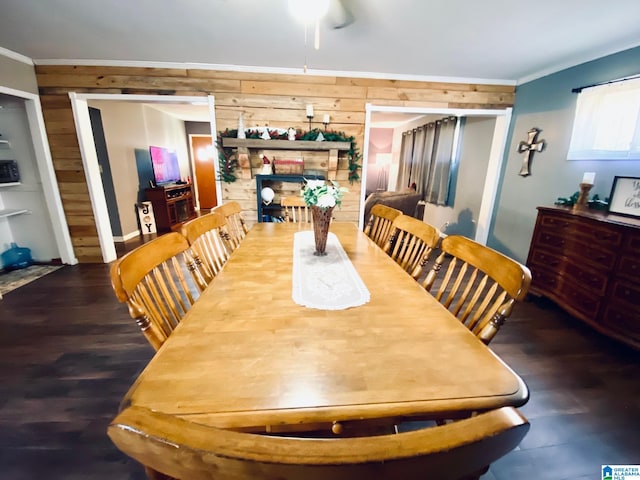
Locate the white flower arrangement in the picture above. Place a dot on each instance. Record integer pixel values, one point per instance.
(323, 194)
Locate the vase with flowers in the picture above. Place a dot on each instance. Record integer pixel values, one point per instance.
(322, 196)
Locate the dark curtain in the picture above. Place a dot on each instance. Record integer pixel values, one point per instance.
(406, 155)
(426, 157)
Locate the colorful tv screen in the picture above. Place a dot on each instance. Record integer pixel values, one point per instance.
(165, 165)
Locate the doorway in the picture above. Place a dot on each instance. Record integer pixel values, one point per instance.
(53, 211)
(204, 156)
(390, 117)
(105, 170)
(79, 104)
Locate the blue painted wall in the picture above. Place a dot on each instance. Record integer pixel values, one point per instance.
(548, 104)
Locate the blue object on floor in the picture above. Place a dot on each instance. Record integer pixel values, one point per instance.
(16, 257)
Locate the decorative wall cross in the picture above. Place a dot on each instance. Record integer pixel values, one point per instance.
(531, 145)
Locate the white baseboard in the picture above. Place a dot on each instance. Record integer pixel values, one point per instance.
(126, 237)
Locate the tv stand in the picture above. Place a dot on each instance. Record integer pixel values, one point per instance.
(172, 205)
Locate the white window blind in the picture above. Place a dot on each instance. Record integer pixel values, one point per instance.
(607, 123)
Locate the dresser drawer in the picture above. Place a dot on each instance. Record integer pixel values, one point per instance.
(629, 267)
(626, 292)
(545, 259)
(565, 290)
(603, 236)
(632, 244)
(575, 248)
(543, 281)
(557, 222)
(579, 299)
(624, 321)
(591, 232)
(589, 279)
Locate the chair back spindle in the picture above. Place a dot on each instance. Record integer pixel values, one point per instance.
(151, 280)
(295, 210)
(380, 222)
(411, 243)
(477, 284)
(210, 243)
(236, 226)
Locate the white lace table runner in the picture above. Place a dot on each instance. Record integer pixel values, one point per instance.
(329, 282)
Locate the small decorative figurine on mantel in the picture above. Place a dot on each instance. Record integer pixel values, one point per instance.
(267, 166)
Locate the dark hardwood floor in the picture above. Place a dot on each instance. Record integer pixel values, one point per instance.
(69, 352)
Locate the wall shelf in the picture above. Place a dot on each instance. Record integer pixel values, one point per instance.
(243, 145)
(266, 212)
(283, 144)
(10, 212)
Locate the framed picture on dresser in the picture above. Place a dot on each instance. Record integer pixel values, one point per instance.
(625, 196)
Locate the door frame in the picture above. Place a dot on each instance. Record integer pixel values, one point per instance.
(80, 108)
(494, 166)
(44, 164)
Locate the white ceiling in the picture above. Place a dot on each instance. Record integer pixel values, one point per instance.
(493, 40)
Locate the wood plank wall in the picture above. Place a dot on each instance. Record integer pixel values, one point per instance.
(276, 100)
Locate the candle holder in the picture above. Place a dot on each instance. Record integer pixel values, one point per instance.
(583, 200)
(309, 115)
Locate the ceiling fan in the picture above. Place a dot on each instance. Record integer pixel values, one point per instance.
(339, 15)
(309, 12)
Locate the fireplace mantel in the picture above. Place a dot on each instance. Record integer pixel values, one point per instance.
(243, 145)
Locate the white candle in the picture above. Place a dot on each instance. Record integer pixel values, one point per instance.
(325, 119)
(309, 110)
(589, 177)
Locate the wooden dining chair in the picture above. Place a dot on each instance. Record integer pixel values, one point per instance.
(479, 285)
(209, 240)
(411, 243)
(170, 446)
(378, 226)
(236, 226)
(153, 280)
(295, 210)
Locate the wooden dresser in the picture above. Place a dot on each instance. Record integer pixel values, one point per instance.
(588, 262)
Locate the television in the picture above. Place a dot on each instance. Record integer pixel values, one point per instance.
(166, 168)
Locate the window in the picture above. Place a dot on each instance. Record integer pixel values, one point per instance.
(607, 123)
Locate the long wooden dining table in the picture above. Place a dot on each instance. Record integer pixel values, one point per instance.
(247, 357)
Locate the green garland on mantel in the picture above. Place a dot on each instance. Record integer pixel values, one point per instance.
(228, 163)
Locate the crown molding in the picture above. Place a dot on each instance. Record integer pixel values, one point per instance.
(5, 52)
